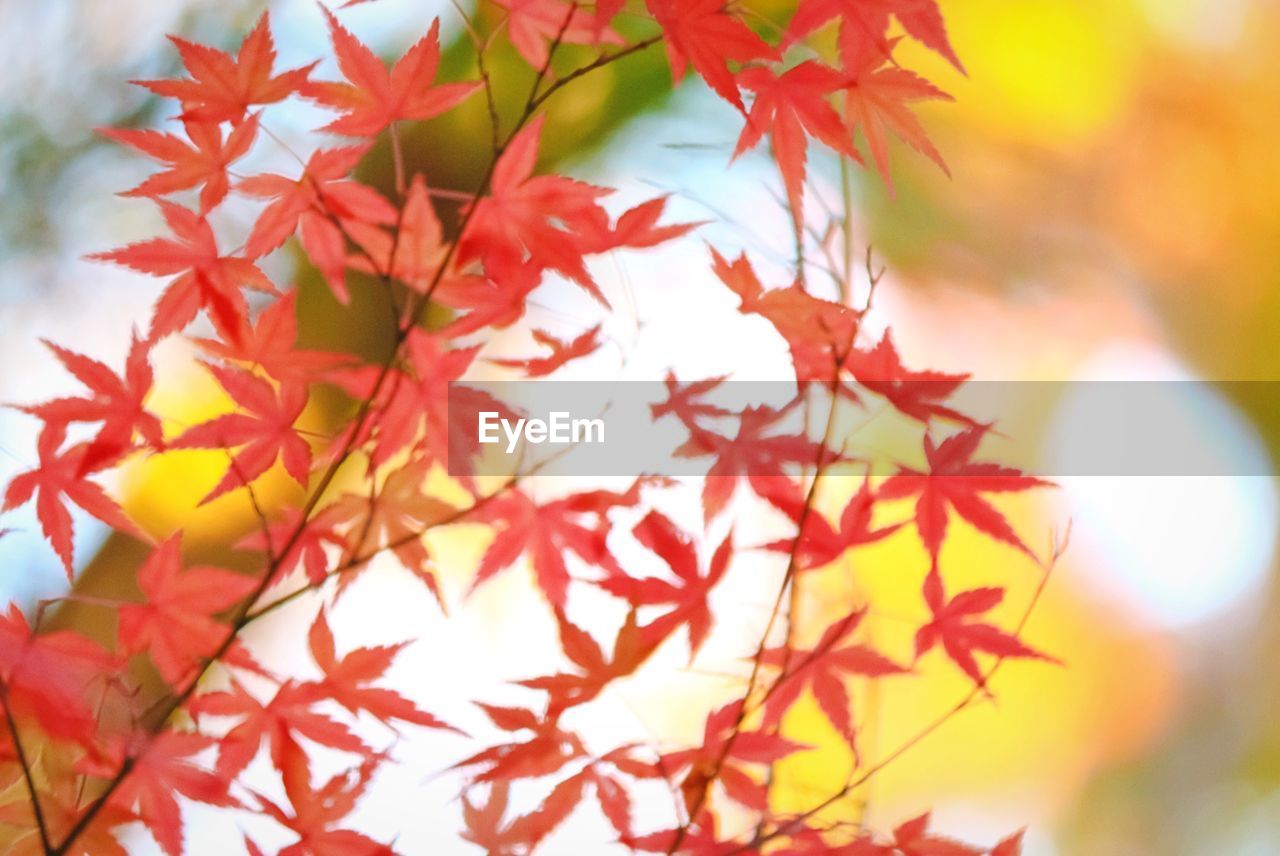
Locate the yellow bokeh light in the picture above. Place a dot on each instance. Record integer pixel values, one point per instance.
(1045, 72)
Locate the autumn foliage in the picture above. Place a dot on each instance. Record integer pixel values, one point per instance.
(91, 745)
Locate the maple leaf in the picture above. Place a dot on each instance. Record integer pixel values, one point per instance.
(202, 162)
(546, 221)
(562, 351)
(704, 34)
(117, 401)
(532, 24)
(638, 227)
(59, 475)
(265, 432)
(913, 839)
(548, 532)
(422, 405)
(554, 810)
(317, 810)
(698, 839)
(163, 771)
(818, 333)
(417, 245)
(615, 802)
(824, 669)
(374, 98)
(956, 482)
(719, 760)
(1011, 846)
(486, 302)
(630, 650)
(206, 280)
(762, 459)
(346, 679)
(547, 751)
(319, 531)
(687, 596)
(791, 107)
(951, 626)
(222, 89)
(865, 24)
(682, 400)
(288, 715)
(821, 543)
(921, 395)
(271, 344)
(485, 826)
(46, 676)
(402, 513)
(176, 624)
(876, 100)
(321, 204)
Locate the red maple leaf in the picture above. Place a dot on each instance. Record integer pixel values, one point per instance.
(270, 343)
(818, 333)
(176, 624)
(706, 35)
(548, 750)
(59, 475)
(202, 162)
(876, 99)
(420, 403)
(961, 637)
(548, 532)
(762, 459)
(222, 88)
(913, 839)
(117, 401)
(566, 690)
(547, 221)
(486, 302)
(956, 482)
(698, 839)
(865, 24)
(321, 530)
(374, 98)
(821, 543)
(1011, 846)
(160, 773)
(683, 400)
(48, 676)
(562, 351)
(722, 761)
(401, 514)
(347, 678)
(265, 432)
(486, 825)
(417, 244)
(206, 280)
(638, 227)
(921, 395)
(323, 205)
(289, 714)
(792, 107)
(687, 597)
(533, 24)
(316, 811)
(824, 669)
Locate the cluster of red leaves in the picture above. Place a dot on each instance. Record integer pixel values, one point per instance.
(105, 759)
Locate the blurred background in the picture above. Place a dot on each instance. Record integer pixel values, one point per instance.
(1113, 214)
